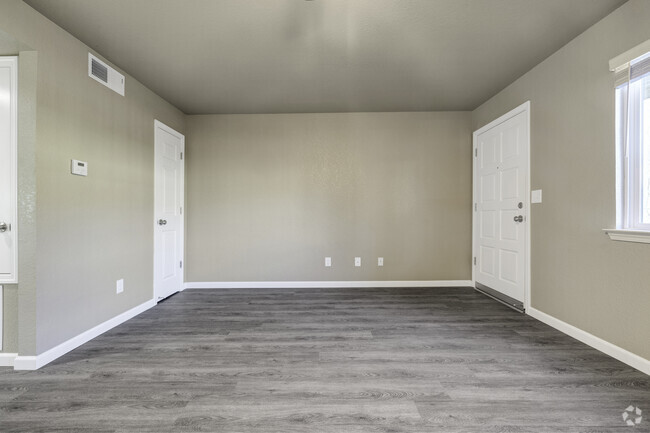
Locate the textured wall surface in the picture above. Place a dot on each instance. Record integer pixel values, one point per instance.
(270, 196)
(9, 46)
(91, 230)
(578, 274)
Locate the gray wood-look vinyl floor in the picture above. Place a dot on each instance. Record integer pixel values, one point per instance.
(327, 360)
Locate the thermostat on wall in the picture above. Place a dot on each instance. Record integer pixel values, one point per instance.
(80, 168)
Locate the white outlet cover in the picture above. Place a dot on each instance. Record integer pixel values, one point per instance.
(357, 261)
(380, 261)
(536, 196)
(119, 286)
(328, 262)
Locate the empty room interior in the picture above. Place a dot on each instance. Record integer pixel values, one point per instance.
(324, 215)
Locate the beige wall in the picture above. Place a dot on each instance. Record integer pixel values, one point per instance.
(91, 231)
(578, 274)
(27, 68)
(270, 196)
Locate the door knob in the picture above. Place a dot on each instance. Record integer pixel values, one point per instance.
(519, 218)
(162, 222)
(4, 227)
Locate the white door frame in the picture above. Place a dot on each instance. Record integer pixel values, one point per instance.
(523, 108)
(159, 125)
(12, 63)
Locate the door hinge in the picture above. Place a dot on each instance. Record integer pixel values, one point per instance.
(181, 210)
(475, 207)
(476, 152)
(181, 264)
(474, 261)
(181, 155)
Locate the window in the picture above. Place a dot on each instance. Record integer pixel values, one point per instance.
(633, 144)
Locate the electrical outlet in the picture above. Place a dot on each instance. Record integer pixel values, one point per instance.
(380, 261)
(119, 287)
(328, 262)
(357, 261)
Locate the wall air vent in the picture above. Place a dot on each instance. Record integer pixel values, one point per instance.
(99, 71)
(106, 75)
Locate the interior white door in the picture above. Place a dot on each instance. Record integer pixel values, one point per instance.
(501, 196)
(8, 215)
(168, 206)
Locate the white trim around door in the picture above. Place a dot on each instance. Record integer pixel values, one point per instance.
(169, 206)
(1, 319)
(9, 167)
(523, 108)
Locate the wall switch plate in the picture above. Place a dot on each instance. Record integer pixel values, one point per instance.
(380, 261)
(119, 287)
(79, 168)
(357, 261)
(536, 196)
(328, 262)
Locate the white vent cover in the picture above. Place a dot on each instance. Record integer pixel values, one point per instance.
(109, 77)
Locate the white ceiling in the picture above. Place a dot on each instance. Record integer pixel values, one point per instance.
(297, 56)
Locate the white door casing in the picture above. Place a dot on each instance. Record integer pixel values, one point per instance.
(168, 211)
(8, 170)
(501, 205)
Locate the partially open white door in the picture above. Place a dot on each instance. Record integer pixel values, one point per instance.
(168, 211)
(501, 202)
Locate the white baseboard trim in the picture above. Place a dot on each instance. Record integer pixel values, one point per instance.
(324, 284)
(597, 343)
(38, 361)
(7, 359)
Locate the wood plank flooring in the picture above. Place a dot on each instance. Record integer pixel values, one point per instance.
(327, 360)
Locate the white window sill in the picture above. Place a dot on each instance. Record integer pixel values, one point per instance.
(641, 236)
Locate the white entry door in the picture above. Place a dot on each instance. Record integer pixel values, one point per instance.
(168, 211)
(501, 204)
(8, 149)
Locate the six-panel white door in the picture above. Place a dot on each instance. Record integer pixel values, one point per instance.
(8, 103)
(501, 191)
(168, 211)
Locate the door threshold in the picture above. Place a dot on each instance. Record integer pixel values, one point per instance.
(500, 297)
(164, 298)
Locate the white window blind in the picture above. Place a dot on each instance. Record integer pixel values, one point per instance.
(632, 81)
(633, 71)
